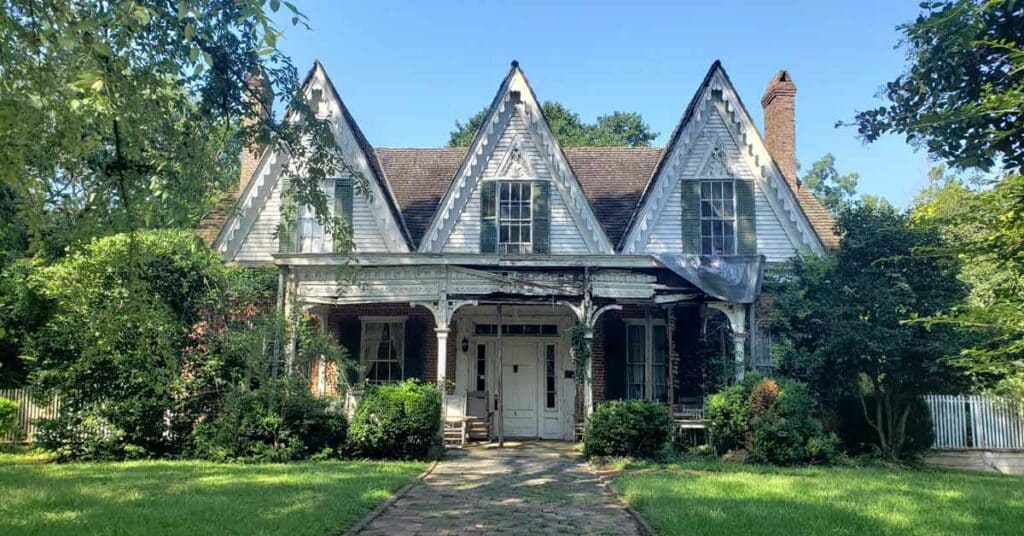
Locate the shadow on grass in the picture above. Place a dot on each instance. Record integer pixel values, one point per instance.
(722, 499)
(193, 497)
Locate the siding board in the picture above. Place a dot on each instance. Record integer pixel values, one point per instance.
(565, 235)
(667, 236)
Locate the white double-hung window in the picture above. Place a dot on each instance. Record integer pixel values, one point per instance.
(717, 218)
(383, 350)
(515, 217)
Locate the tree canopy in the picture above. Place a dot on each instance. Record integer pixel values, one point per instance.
(126, 115)
(835, 190)
(846, 319)
(961, 94)
(617, 129)
(961, 97)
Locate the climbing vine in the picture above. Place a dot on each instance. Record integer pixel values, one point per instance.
(581, 348)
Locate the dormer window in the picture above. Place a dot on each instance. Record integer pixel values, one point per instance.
(717, 218)
(515, 217)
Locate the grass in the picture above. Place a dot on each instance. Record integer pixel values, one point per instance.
(696, 498)
(191, 497)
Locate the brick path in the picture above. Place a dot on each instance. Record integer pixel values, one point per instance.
(534, 488)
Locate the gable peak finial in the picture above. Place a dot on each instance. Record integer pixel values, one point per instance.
(515, 64)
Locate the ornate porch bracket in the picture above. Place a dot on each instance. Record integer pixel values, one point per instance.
(737, 315)
(443, 311)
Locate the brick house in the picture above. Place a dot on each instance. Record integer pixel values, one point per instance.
(478, 265)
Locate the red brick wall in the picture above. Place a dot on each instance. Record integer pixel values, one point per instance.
(351, 313)
(779, 103)
(597, 363)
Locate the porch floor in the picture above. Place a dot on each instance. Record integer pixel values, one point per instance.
(535, 487)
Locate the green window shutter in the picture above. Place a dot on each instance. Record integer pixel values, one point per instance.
(746, 232)
(343, 199)
(541, 217)
(690, 191)
(488, 217)
(287, 239)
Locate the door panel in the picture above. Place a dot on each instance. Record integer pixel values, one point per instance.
(519, 382)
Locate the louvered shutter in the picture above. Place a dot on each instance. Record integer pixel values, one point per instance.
(691, 216)
(287, 232)
(541, 217)
(488, 217)
(343, 199)
(415, 342)
(746, 232)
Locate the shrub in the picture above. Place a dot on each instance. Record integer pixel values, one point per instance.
(85, 436)
(278, 421)
(401, 421)
(776, 421)
(728, 416)
(858, 437)
(8, 416)
(636, 428)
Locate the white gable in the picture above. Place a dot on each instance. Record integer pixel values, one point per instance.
(702, 162)
(516, 156)
(719, 139)
(249, 235)
(514, 140)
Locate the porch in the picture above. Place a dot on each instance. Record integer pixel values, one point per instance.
(504, 343)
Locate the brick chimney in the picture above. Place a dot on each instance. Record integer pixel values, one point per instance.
(260, 97)
(779, 104)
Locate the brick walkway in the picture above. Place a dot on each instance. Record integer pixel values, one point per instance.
(534, 488)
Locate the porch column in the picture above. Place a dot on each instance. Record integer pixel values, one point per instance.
(739, 341)
(588, 379)
(442, 356)
(737, 315)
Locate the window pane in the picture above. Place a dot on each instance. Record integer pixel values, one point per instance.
(705, 190)
(727, 190)
(705, 209)
(524, 234)
(705, 247)
(728, 229)
(481, 367)
(717, 192)
(718, 245)
(727, 208)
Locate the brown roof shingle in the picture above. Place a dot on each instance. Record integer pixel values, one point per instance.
(612, 179)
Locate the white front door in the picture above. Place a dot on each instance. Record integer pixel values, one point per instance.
(520, 380)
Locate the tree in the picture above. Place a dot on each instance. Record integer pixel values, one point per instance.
(617, 129)
(844, 320)
(961, 97)
(962, 92)
(126, 115)
(833, 189)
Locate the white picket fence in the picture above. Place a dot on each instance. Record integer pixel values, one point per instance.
(976, 422)
(28, 412)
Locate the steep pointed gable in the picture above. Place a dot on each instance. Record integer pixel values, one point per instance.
(514, 141)
(249, 235)
(716, 135)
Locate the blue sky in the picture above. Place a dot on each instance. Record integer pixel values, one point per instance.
(408, 70)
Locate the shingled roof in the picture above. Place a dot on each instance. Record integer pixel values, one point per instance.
(612, 179)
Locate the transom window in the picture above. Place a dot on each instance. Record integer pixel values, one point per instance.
(515, 217)
(717, 218)
(528, 330)
(383, 350)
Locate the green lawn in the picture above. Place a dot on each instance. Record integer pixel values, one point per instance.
(191, 497)
(695, 499)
